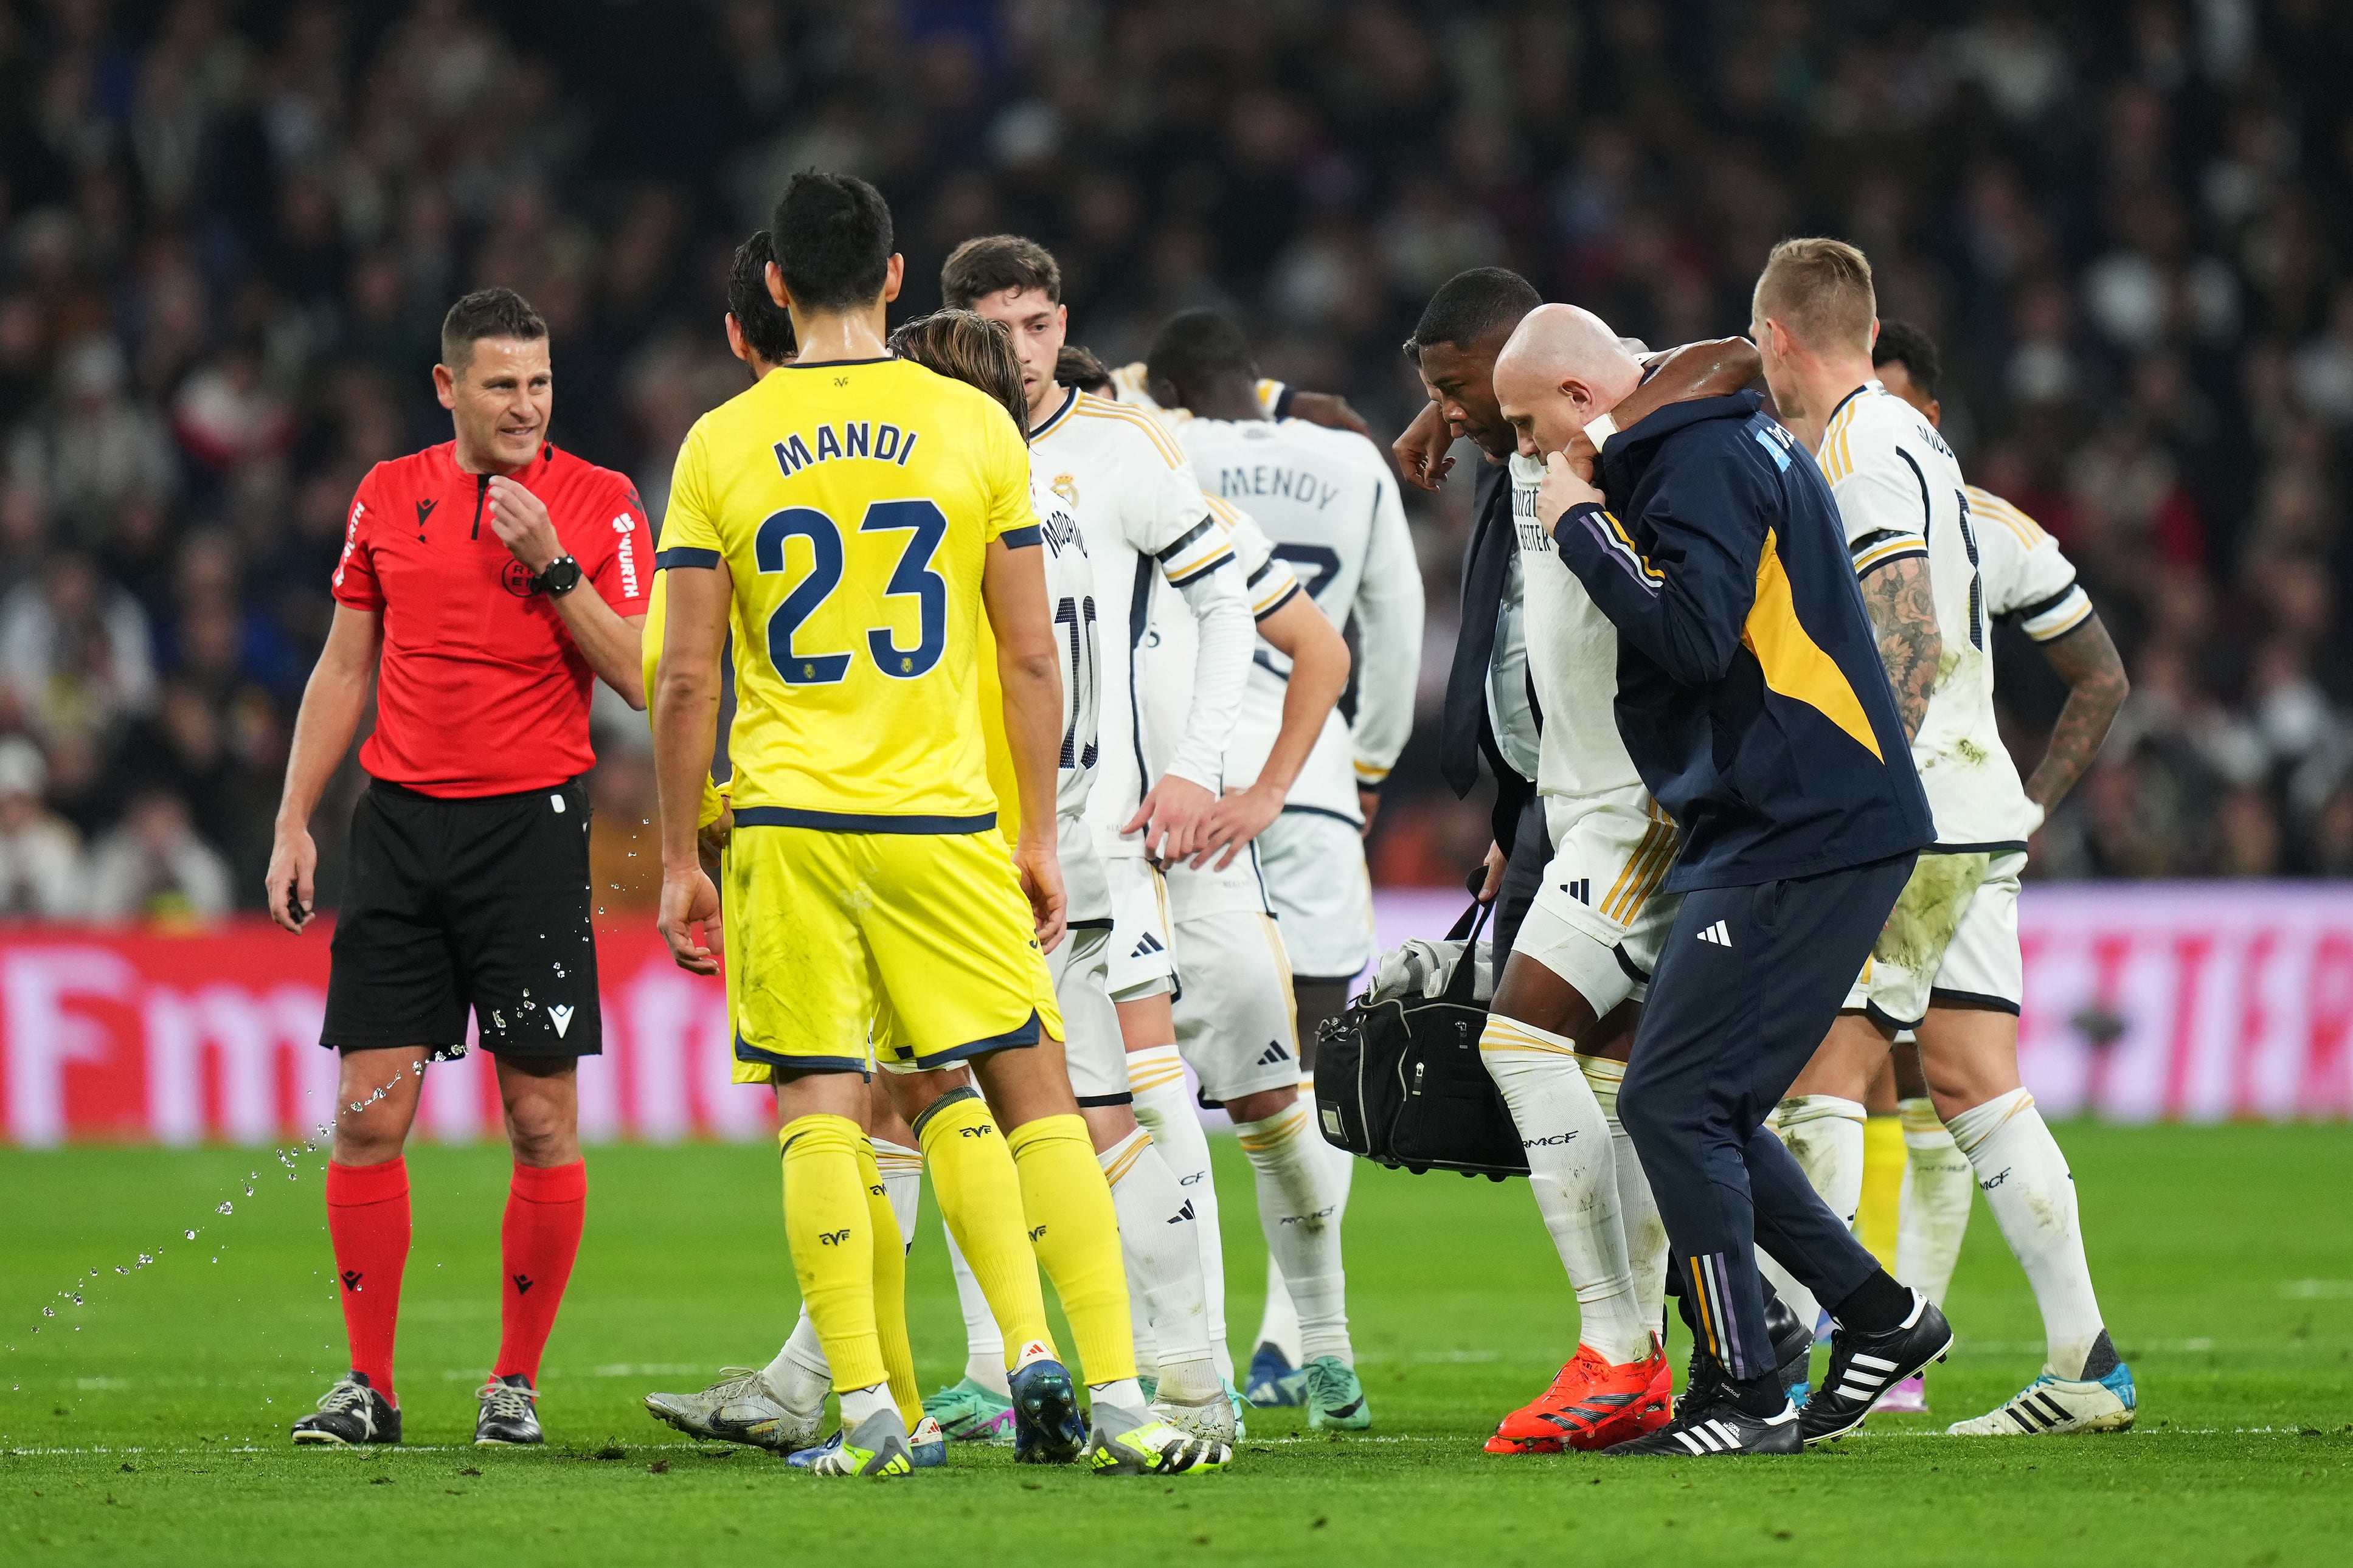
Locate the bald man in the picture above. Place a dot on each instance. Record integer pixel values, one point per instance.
(1752, 702)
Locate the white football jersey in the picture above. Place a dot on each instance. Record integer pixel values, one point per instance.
(1143, 521)
(1326, 501)
(1900, 494)
(2026, 578)
(1070, 590)
(1572, 653)
(1164, 677)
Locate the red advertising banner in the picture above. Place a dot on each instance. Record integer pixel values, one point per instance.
(2191, 1000)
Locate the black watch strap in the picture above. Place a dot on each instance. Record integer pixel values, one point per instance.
(563, 575)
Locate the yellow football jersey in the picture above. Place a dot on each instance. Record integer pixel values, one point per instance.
(853, 503)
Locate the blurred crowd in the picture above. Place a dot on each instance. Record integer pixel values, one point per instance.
(227, 232)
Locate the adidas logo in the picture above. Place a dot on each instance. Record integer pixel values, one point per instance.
(524, 1282)
(1580, 890)
(1147, 947)
(1181, 1216)
(1717, 933)
(1273, 1054)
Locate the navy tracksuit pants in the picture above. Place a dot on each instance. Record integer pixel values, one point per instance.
(1749, 982)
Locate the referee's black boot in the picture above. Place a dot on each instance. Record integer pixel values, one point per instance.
(350, 1412)
(509, 1414)
(1864, 1363)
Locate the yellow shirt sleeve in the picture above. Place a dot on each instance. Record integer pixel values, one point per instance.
(688, 525)
(1009, 507)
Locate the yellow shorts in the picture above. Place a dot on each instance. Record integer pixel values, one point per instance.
(917, 947)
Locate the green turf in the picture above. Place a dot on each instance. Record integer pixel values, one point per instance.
(149, 1421)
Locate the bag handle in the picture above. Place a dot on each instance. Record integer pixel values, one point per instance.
(1471, 922)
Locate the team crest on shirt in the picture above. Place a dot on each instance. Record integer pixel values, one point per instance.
(1067, 487)
(516, 579)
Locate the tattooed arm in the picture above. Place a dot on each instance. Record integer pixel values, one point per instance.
(1904, 614)
(2085, 658)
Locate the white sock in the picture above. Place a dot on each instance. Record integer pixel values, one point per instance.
(1298, 1209)
(2027, 1184)
(1637, 1210)
(1155, 1231)
(1932, 1215)
(861, 1402)
(1279, 1324)
(983, 1344)
(902, 1183)
(1122, 1394)
(1156, 1077)
(800, 1377)
(1572, 1170)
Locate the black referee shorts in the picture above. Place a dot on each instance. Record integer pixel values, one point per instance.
(457, 904)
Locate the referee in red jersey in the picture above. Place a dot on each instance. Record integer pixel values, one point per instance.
(485, 582)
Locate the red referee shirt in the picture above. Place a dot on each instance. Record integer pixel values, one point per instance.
(483, 691)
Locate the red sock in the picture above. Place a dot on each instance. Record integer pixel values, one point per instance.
(367, 1219)
(541, 1237)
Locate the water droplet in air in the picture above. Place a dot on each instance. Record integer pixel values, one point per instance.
(119, 1269)
(224, 1207)
(192, 1236)
(144, 1260)
(48, 1311)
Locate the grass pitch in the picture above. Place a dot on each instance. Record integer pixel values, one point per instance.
(149, 1421)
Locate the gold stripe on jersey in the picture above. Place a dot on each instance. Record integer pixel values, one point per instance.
(1272, 584)
(1894, 549)
(2077, 615)
(1090, 406)
(1205, 549)
(1984, 504)
(1837, 458)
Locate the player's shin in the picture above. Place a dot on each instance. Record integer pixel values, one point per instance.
(1572, 1170)
(2027, 1184)
(546, 1207)
(1299, 1208)
(981, 1197)
(1076, 1233)
(890, 1288)
(1156, 1228)
(831, 1232)
(1637, 1210)
(367, 1220)
(1156, 1075)
(1933, 1213)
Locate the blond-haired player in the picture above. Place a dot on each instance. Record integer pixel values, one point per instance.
(1948, 965)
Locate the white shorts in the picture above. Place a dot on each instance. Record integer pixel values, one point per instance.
(1952, 936)
(1600, 918)
(1095, 1054)
(1237, 1025)
(1083, 883)
(1142, 962)
(1323, 896)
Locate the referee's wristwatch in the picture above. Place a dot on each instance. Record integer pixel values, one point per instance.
(563, 575)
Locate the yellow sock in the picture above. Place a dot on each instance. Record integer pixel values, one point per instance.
(890, 1290)
(1076, 1233)
(979, 1196)
(832, 1232)
(1882, 1187)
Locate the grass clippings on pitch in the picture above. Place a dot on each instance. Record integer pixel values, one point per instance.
(149, 1422)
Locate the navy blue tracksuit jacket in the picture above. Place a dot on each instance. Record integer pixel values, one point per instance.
(1750, 691)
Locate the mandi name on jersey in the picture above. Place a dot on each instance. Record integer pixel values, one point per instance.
(883, 443)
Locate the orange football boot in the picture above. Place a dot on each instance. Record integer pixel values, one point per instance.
(1591, 1405)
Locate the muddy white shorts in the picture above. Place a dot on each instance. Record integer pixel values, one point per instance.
(1952, 936)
